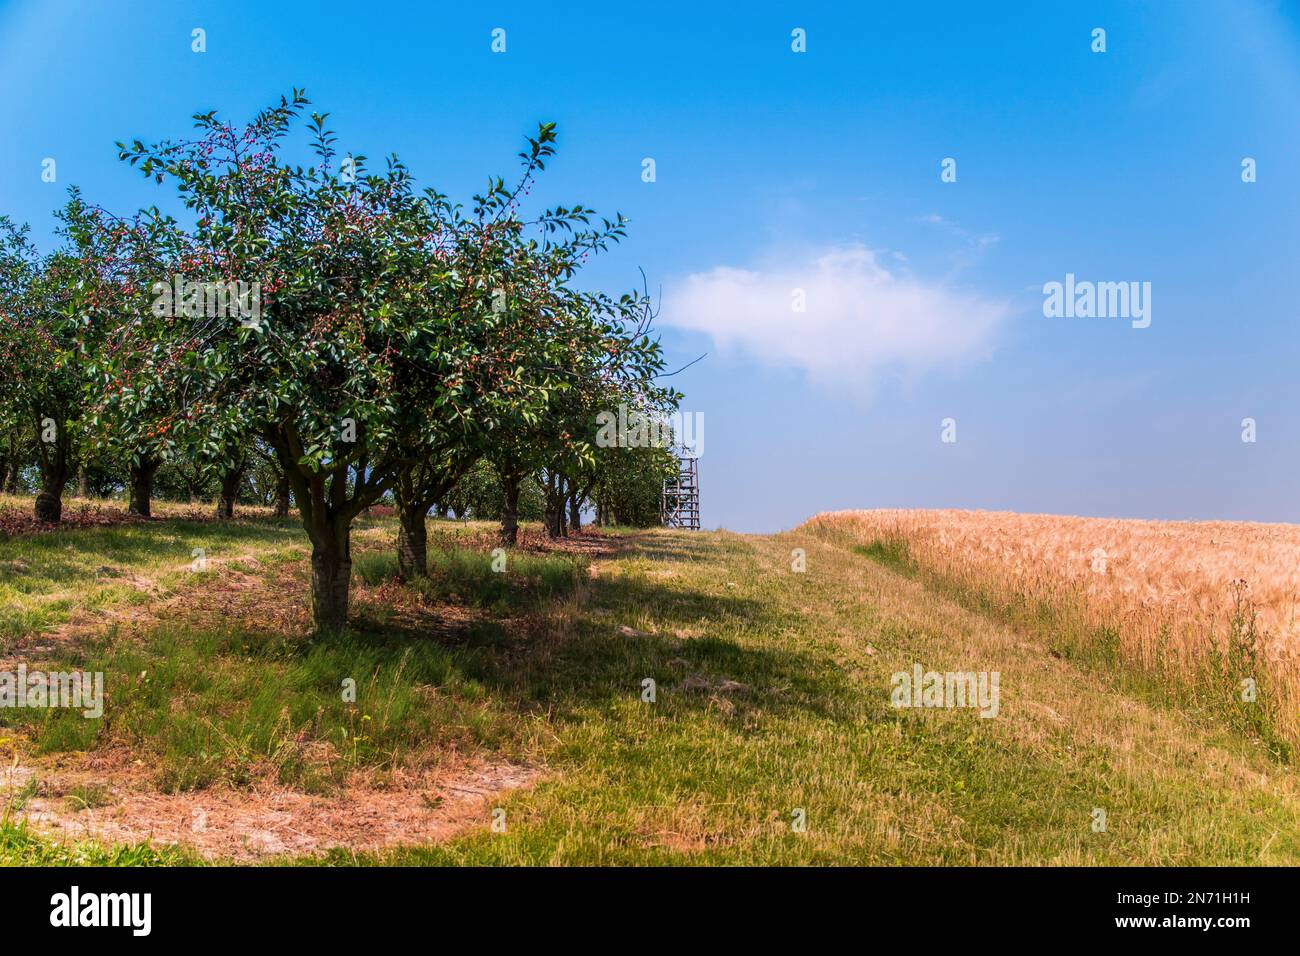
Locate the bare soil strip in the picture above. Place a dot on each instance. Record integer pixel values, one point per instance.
(247, 826)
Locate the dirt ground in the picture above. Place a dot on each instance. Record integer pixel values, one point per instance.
(247, 826)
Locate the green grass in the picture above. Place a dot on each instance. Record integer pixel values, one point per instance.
(523, 581)
(233, 702)
(45, 577)
(772, 696)
(19, 846)
(893, 553)
(701, 777)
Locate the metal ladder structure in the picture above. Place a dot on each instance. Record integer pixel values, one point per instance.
(680, 502)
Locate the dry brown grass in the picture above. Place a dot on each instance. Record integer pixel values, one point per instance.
(1193, 598)
(265, 821)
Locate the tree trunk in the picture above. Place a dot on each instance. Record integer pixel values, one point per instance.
(413, 541)
(361, 480)
(575, 513)
(282, 495)
(55, 462)
(331, 578)
(10, 463)
(49, 503)
(141, 487)
(554, 514)
(561, 502)
(83, 483)
(554, 518)
(510, 513)
(230, 481)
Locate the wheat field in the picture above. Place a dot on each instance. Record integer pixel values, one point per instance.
(1212, 600)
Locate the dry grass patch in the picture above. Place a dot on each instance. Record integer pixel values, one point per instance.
(258, 824)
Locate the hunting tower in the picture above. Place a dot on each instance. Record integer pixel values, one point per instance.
(680, 504)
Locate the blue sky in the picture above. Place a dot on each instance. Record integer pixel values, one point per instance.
(778, 170)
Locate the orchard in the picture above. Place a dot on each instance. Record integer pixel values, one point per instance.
(331, 334)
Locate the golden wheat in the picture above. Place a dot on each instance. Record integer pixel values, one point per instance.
(1174, 593)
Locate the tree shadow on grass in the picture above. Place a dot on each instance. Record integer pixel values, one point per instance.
(448, 675)
(690, 546)
(563, 657)
(64, 556)
(49, 578)
(704, 649)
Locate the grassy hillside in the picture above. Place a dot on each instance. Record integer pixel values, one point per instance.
(1201, 612)
(517, 697)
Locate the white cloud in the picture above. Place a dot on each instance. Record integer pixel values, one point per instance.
(861, 323)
